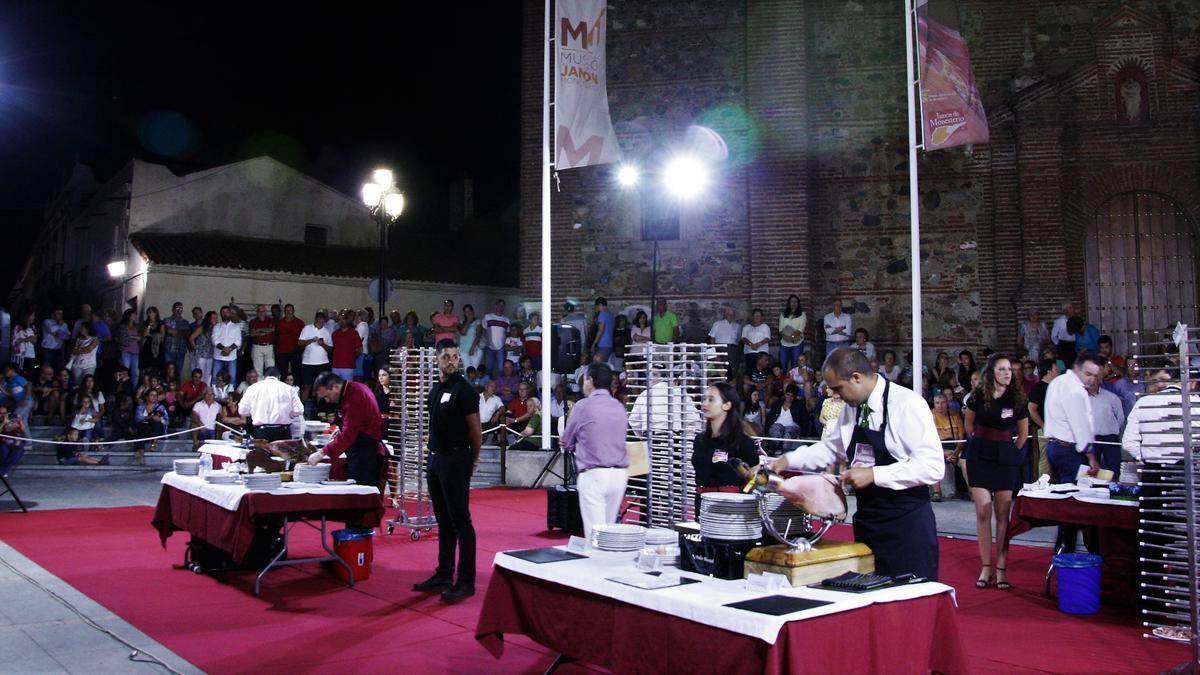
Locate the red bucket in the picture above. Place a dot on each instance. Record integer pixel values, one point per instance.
(354, 546)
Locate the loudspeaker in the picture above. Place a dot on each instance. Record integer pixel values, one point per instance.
(660, 220)
(566, 345)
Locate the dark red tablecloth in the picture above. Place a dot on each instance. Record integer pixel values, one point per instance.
(233, 531)
(910, 636)
(1108, 530)
(1031, 512)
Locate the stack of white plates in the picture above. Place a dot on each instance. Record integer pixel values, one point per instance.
(311, 473)
(788, 519)
(661, 536)
(668, 554)
(1130, 473)
(263, 481)
(619, 537)
(729, 516)
(221, 478)
(187, 467)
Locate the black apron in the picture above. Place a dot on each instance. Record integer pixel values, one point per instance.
(897, 525)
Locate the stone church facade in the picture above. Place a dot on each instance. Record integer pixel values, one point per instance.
(1089, 191)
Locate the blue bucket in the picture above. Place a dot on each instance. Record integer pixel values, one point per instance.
(1078, 582)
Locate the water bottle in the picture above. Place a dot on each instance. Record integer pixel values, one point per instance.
(205, 464)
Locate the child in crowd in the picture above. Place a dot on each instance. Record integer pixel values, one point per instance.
(86, 418)
(514, 344)
(72, 454)
(777, 384)
(222, 388)
(169, 398)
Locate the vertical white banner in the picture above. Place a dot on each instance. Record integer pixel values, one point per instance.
(583, 133)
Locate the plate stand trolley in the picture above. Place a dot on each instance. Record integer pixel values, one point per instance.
(1170, 490)
(413, 374)
(670, 382)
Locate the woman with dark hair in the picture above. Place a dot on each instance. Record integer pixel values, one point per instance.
(128, 339)
(471, 334)
(24, 343)
(997, 411)
(153, 334)
(411, 334)
(792, 322)
(966, 366)
(754, 410)
(202, 342)
(942, 374)
(724, 438)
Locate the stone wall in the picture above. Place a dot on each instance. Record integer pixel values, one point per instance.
(810, 97)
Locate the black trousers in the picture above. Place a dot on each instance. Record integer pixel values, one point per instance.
(450, 489)
(364, 464)
(289, 362)
(271, 432)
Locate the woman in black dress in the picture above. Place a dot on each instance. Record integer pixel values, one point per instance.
(724, 439)
(996, 413)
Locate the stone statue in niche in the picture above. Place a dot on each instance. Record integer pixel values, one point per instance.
(1132, 93)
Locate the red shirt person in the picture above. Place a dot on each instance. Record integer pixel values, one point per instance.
(346, 346)
(262, 340)
(287, 342)
(360, 429)
(191, 391)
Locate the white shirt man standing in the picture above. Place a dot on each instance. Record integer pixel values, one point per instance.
(1108, 415)
(204, 414)
(272, 407)
(756, 339)
(1068, 417)
(887, 435)
(838, 328)
(727, 332)
(1062, 338)
(316, 341)
(227, 340)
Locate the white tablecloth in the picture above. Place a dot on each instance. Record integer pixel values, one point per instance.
(703, 602)
(230, 496)
(232, 452)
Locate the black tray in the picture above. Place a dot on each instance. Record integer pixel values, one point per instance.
(544, 555)
(778, 605)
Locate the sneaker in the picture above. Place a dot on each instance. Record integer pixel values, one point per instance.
(459, 591)
(433, 583)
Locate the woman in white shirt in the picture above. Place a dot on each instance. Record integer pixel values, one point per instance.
(83, 356)
(889, 368)
(24, 337)
(792, 323)
(640, 333)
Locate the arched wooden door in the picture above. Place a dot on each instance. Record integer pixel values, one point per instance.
(1141, 267)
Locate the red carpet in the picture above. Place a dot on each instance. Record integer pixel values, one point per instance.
(308, 622)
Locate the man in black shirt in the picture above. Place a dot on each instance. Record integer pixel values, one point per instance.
(454, 440)
(1037, 407)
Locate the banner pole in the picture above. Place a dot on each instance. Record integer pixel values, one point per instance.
(914, 195)
(547, 320)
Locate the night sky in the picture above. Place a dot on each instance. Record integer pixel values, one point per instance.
(333, 89)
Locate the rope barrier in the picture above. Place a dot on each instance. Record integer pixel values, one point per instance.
(90, 443)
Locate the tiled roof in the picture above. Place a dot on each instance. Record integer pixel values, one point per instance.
(413, 259)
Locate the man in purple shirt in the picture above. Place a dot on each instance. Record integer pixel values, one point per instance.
(596, 431)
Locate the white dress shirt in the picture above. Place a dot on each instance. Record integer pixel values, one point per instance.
(229, 334)
(832, 321)
(315, 354)
(867, 348)
(724, 332)
(1149, 436)
(1059, 332)
(664, 407)
(757, 334)
(911, 438)
(270, 401)
(488, 407)
(207, 414)
(1068, 412)
(1107, 413)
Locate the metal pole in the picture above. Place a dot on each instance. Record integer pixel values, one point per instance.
(547, 322)
(654, 291)
(1189, 484)
(383, 245)
(914, 195)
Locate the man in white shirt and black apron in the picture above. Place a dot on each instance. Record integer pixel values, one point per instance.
(887, 435)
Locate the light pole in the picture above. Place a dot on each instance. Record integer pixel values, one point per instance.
(683, 179)
(386, 203)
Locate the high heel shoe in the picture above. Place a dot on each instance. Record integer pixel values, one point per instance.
(1001, 585)
(983, 583)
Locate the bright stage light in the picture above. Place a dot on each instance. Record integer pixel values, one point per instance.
(371, 194)
(383, 177)
(116, 269)
(685, 177)
(628, 176)
(393, 204)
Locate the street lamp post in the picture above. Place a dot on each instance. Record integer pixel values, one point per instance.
(386, 203)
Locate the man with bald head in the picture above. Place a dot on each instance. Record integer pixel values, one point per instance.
(262, 340)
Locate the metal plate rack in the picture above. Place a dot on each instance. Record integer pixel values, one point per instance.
(1168, 505)
(414, 372)
(667, 384)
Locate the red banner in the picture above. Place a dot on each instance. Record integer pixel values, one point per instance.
(951, 110)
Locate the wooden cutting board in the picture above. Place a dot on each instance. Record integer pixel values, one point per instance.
(827, 559)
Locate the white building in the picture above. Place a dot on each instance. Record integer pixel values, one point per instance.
(257, 231)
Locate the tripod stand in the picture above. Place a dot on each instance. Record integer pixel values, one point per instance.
(569, 472)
